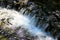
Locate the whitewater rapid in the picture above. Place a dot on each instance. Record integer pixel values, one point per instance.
(14, 19)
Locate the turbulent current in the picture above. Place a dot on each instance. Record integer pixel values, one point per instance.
(12, 19)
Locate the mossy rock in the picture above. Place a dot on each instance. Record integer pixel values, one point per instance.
(2, 37)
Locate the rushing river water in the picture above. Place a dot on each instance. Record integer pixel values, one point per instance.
(17, 19)
(25, 19)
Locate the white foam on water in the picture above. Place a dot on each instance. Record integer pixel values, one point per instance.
(16, 19)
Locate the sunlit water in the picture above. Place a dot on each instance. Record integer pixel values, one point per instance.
(17, 19)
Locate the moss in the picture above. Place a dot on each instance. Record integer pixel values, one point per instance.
(2, 37)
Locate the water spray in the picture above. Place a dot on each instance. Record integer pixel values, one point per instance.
(13, 19)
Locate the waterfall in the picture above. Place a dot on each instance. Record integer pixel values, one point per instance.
(24, 19)
(18, 19)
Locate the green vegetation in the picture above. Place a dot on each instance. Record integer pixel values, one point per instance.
(2, 37)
